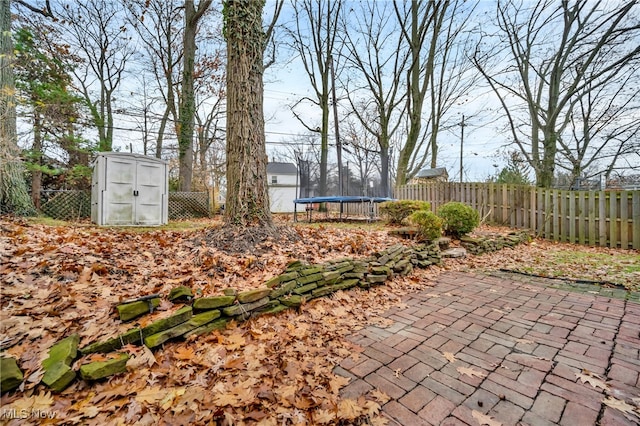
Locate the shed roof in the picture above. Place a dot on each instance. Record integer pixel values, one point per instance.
(282, 168)
(431, 173)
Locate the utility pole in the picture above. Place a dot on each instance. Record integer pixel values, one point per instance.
(461, 145)
(337, 128)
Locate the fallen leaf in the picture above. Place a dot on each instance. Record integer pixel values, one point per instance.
(484, 419)
(593, 379)
(338, 382)
(471, 372)
(380, 396)
(143, 357)
(323, 416)
(449, 356)
(348, 409)
(234, 341)
(629, 411)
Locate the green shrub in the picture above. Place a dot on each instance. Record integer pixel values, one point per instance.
(397, 211)
(458, 218)
(429, 224)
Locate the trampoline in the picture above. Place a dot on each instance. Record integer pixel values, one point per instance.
(344, 199)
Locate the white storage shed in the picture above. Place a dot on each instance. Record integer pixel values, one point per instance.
(129, 190)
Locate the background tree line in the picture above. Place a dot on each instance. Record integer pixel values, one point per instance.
(389, 83)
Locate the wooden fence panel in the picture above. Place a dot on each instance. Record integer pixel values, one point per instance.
(604, 218)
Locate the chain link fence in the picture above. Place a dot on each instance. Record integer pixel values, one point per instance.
(66, 205)
(76, 205)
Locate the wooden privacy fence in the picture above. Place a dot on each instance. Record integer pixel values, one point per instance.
(596, 218)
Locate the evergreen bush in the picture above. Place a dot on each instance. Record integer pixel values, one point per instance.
(458, 218)
(428, 223)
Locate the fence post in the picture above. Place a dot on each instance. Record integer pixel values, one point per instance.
(635, 219)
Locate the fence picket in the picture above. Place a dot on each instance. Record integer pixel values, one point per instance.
(624, 219)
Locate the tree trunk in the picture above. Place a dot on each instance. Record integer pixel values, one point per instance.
(36, 174)
(14, 197)
(187, 104)
(247, 200)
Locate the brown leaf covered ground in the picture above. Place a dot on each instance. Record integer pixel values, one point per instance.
(62, 279)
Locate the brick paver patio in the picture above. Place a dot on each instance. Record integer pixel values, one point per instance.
(515, 350)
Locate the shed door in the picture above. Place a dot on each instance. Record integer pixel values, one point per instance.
(118, 198)
(150, 191)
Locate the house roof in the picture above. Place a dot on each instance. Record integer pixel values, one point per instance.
(431, 173)
(282, 169)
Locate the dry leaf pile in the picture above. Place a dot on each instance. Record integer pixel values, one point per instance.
(273, 370)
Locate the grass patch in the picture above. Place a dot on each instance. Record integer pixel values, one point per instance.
(607, 265)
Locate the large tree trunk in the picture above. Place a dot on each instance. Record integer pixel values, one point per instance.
(14, 197)
(247, 201)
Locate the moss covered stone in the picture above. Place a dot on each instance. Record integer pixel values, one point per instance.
(293, 301)
(181, 315)
(58, 376)
(311, 271)
(133, 310)
(253, 295)
(285, 288)
(179, 330)
(273, 282)
(289, 276)
(10, 374)
(305, 288)
(101, 369)
(307, 279)
(244, 308)
(206, 303)
(180, 292)
(218, 324)
(133, 335)
(65, 351)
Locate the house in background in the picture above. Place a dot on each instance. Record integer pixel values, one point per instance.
(282, 179)
(439, 174)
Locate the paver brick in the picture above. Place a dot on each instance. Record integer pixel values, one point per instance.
(419, 372)
(548, 406)
(437, 410)
(509, 394)
(397, 378)
(403, 415)
(381, 357)
(507, 413)
(366, 367)
(391, 389)
(355, 389)
(443, 390)
(575, 414)
(591, 399)
(417, 398)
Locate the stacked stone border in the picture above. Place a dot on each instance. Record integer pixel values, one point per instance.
(299, 283)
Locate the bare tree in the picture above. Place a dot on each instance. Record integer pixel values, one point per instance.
(546, 58)
(375, 50)
(187, 108)
(157, 22)
(314, 35)
(363, 148)
(438, 76)
(604, 127)
(97, 33)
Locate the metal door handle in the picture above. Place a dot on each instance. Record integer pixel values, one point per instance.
(135, 192)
